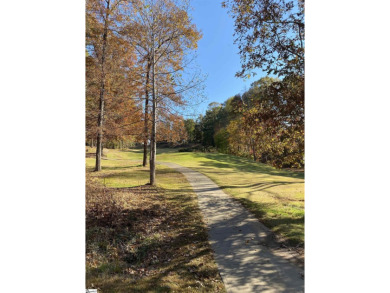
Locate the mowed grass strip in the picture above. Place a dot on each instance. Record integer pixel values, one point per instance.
(275, 197)
(142, 238)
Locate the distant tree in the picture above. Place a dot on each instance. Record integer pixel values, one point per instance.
(171, 128)
(221, 139)
(209, 122)
(198, 131)
(189, 125)
(233, 106)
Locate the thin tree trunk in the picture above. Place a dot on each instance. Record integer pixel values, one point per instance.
(253, 149)
(99, 147)
(98, 166)
(99, 151)
(153, 140)
(146, 131)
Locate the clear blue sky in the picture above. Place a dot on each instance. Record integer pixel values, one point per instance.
(217, 55)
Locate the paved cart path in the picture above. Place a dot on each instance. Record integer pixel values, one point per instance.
(245, 261)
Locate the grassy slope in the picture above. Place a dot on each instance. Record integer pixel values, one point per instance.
(276, 197)
(153, 239)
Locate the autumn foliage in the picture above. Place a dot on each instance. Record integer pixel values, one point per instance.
(265, 123)
(135, 54)
(137, 57)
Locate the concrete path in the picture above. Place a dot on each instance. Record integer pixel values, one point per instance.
(245, 260)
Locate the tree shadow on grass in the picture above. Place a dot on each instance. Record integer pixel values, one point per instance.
(113, 168)
(144, 247)
(133, 150)
(264, 187)
(260, 185)
(221, 161)
(126, 174)
(189, 275)
(130, 172)
(291, 228)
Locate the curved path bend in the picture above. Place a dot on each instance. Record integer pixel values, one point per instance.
(245, 261)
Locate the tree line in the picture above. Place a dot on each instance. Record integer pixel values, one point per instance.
(267, 121)
(138, 54)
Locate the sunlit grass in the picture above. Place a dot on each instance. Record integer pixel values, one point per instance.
(275, 196)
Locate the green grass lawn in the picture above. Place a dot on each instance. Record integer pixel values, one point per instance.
(141, 238)
(275, 196)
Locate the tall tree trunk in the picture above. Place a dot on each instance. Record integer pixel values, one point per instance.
(153, 140)
(99, 147)
(99, 139)
(146, 131)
